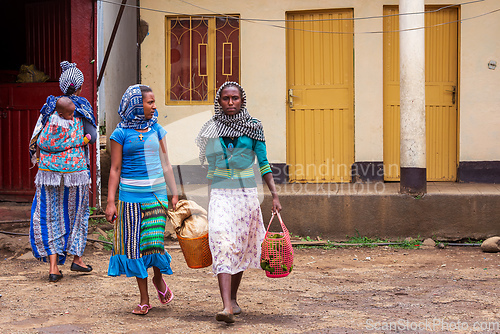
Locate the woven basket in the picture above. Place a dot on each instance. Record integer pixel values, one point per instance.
(196, 251)
(277, 252)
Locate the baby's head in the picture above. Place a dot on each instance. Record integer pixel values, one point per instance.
(65, 108)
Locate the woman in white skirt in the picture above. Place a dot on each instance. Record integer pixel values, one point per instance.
(230, 141)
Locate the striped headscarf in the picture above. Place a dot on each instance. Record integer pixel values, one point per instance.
(222, 125)
(131, 110)
(70, 76)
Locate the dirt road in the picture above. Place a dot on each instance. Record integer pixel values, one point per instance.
(360, 290)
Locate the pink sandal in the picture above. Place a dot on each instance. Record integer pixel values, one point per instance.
(160, 294)
(148, 307)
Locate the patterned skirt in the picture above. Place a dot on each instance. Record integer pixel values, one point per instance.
(235, 230)
(59, 221)
(138, 240)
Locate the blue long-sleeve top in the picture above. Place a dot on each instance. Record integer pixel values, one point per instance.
(233, 168)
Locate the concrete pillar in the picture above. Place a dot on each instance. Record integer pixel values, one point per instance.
(412, 95)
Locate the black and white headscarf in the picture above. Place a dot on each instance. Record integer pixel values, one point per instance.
(222, 125)
(70, 76)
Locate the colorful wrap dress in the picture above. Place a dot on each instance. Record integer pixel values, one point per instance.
(60, 209)
(139, 228)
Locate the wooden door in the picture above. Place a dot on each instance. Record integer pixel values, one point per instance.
(441, 93)
(320, 113)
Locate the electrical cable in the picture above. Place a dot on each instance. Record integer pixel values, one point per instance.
(339, 19)
(261, 21)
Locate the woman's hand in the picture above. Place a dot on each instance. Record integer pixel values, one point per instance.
(268, 177)
(276, 204)
(175, 199)
(111, 212)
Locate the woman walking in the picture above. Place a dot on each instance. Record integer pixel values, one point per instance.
(230, 141)
(60, 209)
(141, 169)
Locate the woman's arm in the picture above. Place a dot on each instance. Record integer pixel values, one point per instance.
(168, 172)
(268, 177)
(88, 128)
(114, 179)
(260, 150)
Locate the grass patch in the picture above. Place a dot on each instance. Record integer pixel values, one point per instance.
(108, 238)
(363, 241)
(97, 222)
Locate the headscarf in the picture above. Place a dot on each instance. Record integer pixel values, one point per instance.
(70, 76)
(222, 125)
(131, 110)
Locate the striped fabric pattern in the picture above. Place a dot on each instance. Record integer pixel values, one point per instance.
(152, 228)
(265, 169)
(59, 221)
(128, 230)
(70, 75)
(234, 173)
(152, 183)
(139, 229)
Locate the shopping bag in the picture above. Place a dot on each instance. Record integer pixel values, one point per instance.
(277, 252)
(191, 227)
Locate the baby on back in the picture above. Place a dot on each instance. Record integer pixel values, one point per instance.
(62, 140)
(65, 108)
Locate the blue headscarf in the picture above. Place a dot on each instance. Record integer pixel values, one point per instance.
(131, 110)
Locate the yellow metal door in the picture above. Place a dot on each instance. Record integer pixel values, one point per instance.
(441, 84)
(320, 116)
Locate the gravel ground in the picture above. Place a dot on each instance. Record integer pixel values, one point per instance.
(343, 290)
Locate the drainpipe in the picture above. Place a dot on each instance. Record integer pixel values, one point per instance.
(412, 95)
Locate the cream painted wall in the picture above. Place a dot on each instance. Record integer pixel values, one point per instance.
(121, 70)
(263, 75)
(368, 84)
(480, 86)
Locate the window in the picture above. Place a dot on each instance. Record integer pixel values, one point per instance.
(202, 53)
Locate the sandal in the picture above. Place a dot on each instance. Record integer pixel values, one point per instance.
(225, 316)
(142, 312)
(236, 310)
(160, 294)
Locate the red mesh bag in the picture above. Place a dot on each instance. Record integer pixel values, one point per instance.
(277, 252)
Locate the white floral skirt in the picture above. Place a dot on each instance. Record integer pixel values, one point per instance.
(235, 230)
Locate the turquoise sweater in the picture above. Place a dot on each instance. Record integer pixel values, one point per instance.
(234, 169)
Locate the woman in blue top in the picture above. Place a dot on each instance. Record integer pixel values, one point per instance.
(141, 169)
(230, 141)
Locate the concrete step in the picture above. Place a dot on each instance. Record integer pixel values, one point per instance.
(449, 211)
